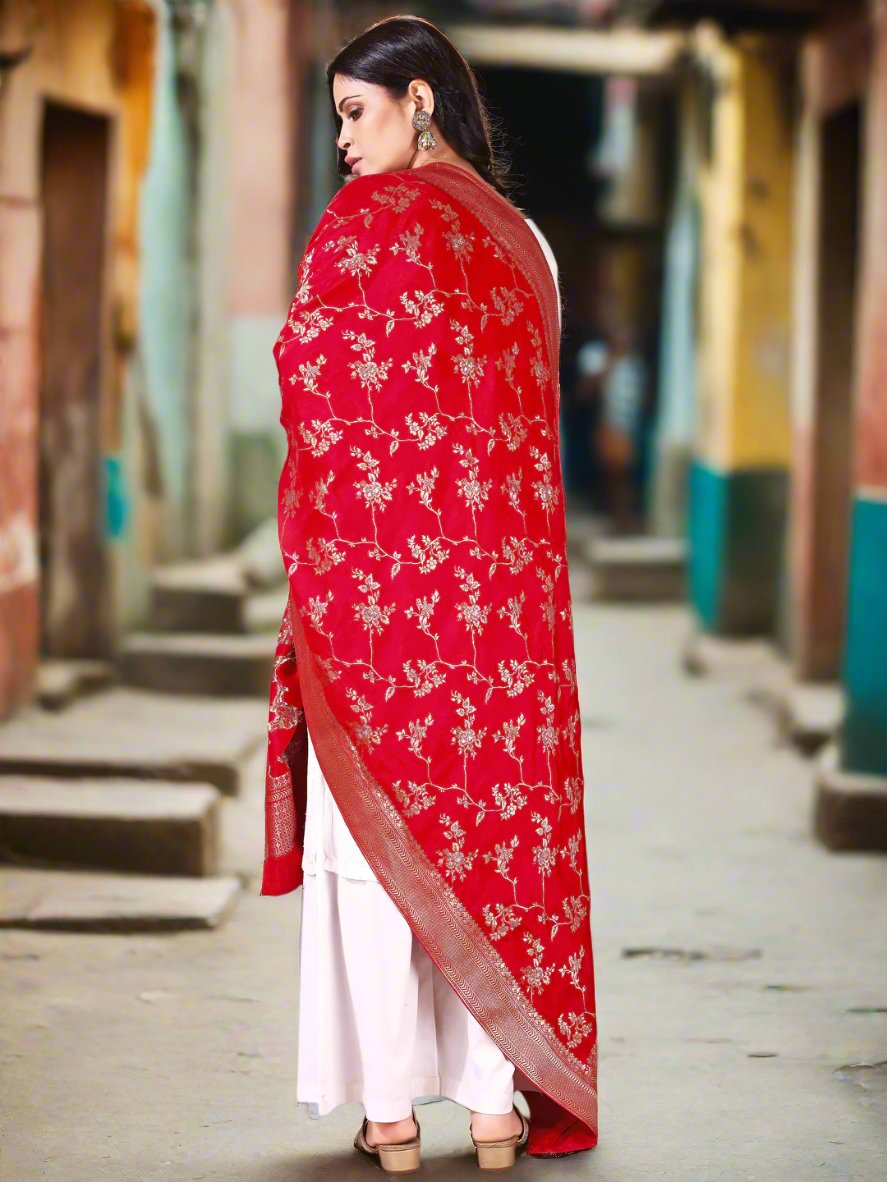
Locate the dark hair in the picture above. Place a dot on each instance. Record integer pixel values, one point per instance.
(394, 51)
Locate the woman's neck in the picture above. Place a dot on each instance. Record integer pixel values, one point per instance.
(423, 158)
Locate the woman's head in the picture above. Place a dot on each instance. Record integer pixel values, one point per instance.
(379, 80)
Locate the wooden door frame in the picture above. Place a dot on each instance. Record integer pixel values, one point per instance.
(97, 638)
(834, 77)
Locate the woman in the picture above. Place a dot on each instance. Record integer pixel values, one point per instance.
(424, 772)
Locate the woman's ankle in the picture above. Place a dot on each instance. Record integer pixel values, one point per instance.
(490, 1126)
(391, 1131)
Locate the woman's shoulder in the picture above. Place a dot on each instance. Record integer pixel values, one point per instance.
(371, 210)
(393, 193)
(369, 207)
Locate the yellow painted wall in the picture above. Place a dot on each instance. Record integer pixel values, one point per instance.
(97, 55)
(134, 58)
(720, 200)
(745, 326)
(72, 62)
(761, 416)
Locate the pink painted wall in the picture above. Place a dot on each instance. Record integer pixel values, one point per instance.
(263, 173)
(19, 397)
(872, 412)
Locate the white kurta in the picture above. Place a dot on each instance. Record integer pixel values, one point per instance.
(378, 1022)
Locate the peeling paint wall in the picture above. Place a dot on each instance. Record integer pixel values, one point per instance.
(92, 56)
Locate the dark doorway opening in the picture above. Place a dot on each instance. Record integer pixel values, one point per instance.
(73, 576)
(591, 163)
(832, 467)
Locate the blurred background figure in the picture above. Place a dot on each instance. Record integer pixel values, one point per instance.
(583, 356)
(613, 376)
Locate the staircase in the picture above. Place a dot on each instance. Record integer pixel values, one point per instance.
(113, 783)
(208, 635)
(639, 569)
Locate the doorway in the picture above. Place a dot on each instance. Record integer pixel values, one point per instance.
(832, 444)
(74, 619)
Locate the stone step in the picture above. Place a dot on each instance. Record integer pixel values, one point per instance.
(263, 611)
(194, 663)
(214, 598)
(753, 660)
(258, 555)
(850, 808)
(61, 682)
(134, 733)
(81, 901)
(582, 530)
(145, 827)
(637, 569)
(809, 714)
(200, 596)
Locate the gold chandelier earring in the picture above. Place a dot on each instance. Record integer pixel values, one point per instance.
(422, 122)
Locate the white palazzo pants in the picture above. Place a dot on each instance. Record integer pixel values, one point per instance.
(378, 1021)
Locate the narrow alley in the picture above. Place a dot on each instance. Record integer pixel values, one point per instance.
(742, 1000)
(245, 334)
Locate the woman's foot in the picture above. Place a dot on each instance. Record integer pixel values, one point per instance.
(391, 1132)
(488, 1126)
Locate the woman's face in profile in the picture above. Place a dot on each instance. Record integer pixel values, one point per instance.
(377, 130)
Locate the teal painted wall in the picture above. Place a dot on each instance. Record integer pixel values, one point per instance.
(864, 738)
(706, 533)
(165, 310)
(736, 531)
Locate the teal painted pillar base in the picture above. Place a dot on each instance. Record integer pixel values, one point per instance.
(864, 734)
(736, 527)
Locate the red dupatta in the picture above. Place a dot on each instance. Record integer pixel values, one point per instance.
(428, 642)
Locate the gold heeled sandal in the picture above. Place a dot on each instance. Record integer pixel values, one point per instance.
(500, 1155)
(400, 1158)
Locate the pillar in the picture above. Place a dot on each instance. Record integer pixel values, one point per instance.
(864, 743)
(739, 475)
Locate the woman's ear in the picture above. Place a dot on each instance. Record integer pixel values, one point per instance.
(422, 95)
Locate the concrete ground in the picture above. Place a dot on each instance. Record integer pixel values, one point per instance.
(751, 1048)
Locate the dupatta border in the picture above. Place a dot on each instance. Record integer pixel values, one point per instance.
(509, 227)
